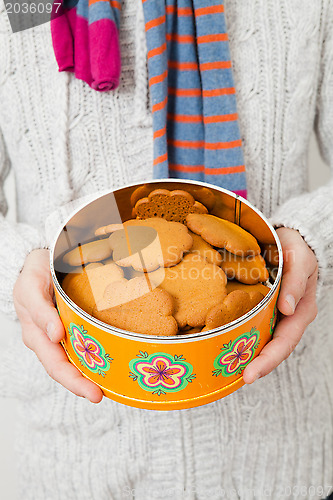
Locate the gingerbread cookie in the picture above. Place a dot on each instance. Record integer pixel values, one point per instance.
(148, 244)
(205, 250)
(236, 285)
(132, 306)
(123, 291)
(195, 285)
(190, 330)
(140, 192)
(248, 218)
(249, 270)
(169, 205)
(101, 277)
(253, 223)
(224, 211)
(87, 287)
(130, 273)
(235, 305)
(76, 286)
(110, 228)
(94, 251)
(223, 234)
(203, 195)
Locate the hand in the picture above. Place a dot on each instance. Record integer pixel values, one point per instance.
(42, 329)
(296, 302)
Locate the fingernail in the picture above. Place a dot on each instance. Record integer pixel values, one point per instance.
(50, 330)
(291, 301)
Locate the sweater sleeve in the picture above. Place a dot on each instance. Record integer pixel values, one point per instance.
(312, 213)
(17, 240)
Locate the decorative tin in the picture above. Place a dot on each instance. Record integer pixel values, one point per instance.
(162, 373)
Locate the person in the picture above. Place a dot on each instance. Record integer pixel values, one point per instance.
(273, 437)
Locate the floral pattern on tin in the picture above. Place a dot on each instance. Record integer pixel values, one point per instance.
(161, 373)
(236, 354)
(272, 322)
(90, 352)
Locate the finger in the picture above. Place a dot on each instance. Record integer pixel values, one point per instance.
(299, 263)
(293, 287)
(54, 360)
(297, 270)
(286, 337)
(39, 304)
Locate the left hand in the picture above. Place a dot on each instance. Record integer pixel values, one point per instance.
(296, 302)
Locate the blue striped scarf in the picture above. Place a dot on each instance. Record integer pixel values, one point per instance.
(195, 122)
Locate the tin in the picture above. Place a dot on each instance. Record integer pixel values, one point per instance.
(153, 372)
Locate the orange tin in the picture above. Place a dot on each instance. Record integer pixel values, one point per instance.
(154, 372)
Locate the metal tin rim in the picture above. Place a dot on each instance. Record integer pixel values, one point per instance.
(162, 339)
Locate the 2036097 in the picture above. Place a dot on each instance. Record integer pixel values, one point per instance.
(31, 7)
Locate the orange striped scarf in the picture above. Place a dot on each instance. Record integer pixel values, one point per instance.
(195, 121)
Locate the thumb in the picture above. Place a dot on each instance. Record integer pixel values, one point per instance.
(34, 293)
(44, 314)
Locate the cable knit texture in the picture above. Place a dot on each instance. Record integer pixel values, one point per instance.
(64, 141)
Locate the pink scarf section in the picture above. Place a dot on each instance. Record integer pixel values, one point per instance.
(85, 41)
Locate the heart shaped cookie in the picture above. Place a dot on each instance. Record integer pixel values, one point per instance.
(135, 307)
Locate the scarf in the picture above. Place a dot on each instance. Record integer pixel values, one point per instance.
(195, 121)
(85, 40)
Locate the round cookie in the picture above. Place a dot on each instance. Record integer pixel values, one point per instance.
(171, 240)
(94, 251)
(249, 270)
(223, 234)
(196, 287)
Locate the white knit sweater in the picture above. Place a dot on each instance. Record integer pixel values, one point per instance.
(273, 439)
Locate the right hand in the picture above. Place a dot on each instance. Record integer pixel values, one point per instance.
(42, 329)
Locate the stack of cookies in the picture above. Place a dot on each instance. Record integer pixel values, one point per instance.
(175, 268)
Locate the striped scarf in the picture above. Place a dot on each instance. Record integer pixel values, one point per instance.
(195, 122)
(196, 132)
